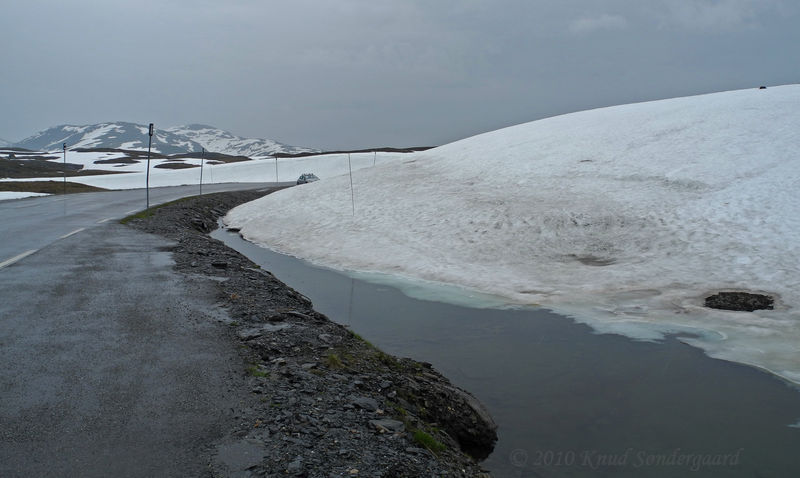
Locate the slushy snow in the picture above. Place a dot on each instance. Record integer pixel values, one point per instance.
(624, 218)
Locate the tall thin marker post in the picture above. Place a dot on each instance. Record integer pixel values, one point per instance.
(202, 159)
(276, 167)
(374, 157)
(352, 196)
(350, 306)
(147, 184)
(64, 146)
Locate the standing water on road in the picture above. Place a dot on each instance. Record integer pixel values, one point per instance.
(567, 401)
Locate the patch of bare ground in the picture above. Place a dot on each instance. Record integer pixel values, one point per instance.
(47, 187)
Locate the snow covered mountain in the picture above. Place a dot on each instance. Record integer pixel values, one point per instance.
(176, 140)
(107, 135)
(217, 140)
(625, 218)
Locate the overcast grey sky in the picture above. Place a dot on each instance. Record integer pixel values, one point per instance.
(360, 73)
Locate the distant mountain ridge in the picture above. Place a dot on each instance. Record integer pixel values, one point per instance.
(172, 140)
(219, 141)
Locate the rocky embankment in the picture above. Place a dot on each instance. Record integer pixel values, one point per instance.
(325, 401)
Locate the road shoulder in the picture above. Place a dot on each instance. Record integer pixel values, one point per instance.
(329, 403)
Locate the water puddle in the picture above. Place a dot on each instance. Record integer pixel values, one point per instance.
(569, 401)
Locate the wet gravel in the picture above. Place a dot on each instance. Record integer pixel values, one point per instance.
(325, 402)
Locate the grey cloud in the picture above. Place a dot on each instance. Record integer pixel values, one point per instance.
(357, 73)
(717, 15)
(602, 22)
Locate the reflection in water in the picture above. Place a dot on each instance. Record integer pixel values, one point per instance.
(569, 402)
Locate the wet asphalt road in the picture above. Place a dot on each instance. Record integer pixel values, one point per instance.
(29, 224)
(111, 363)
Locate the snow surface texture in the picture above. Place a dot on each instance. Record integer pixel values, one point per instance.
(624, 218)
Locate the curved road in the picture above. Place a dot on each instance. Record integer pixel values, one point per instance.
(32, 223)
(113, 364)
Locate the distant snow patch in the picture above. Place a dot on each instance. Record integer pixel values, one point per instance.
(18, 195)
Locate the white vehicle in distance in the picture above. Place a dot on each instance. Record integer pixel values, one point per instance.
(307, 178)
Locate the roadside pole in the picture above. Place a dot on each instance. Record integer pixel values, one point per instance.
(276, 167)
(64, 146)
(202, 159)
(147, 184)
(352, 196)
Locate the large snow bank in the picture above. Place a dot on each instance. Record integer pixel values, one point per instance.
(622, 217)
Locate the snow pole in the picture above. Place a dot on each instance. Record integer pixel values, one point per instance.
(276, 166)
(352, 197)
(65, 167)
(202, 159)
(350, 306)
(147, 181)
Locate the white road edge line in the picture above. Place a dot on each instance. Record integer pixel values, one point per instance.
(72, 233)
(131, 212)
(101, 221)
(27, 205)
(17, 258)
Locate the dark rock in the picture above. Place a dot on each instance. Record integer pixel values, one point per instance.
(202, 225)
(366, 403)
(388, 425)
(741, 301)
(232, 459)
(457, 412)
(250, 334)
(296, 466)
(329, 339)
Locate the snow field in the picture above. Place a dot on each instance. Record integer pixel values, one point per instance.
(260, 169)
(624, 218)
(16, 195)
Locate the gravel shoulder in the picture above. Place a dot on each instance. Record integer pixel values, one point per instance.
(325, 401)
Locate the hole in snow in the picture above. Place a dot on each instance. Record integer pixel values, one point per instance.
(591, 260)
(742, 301)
